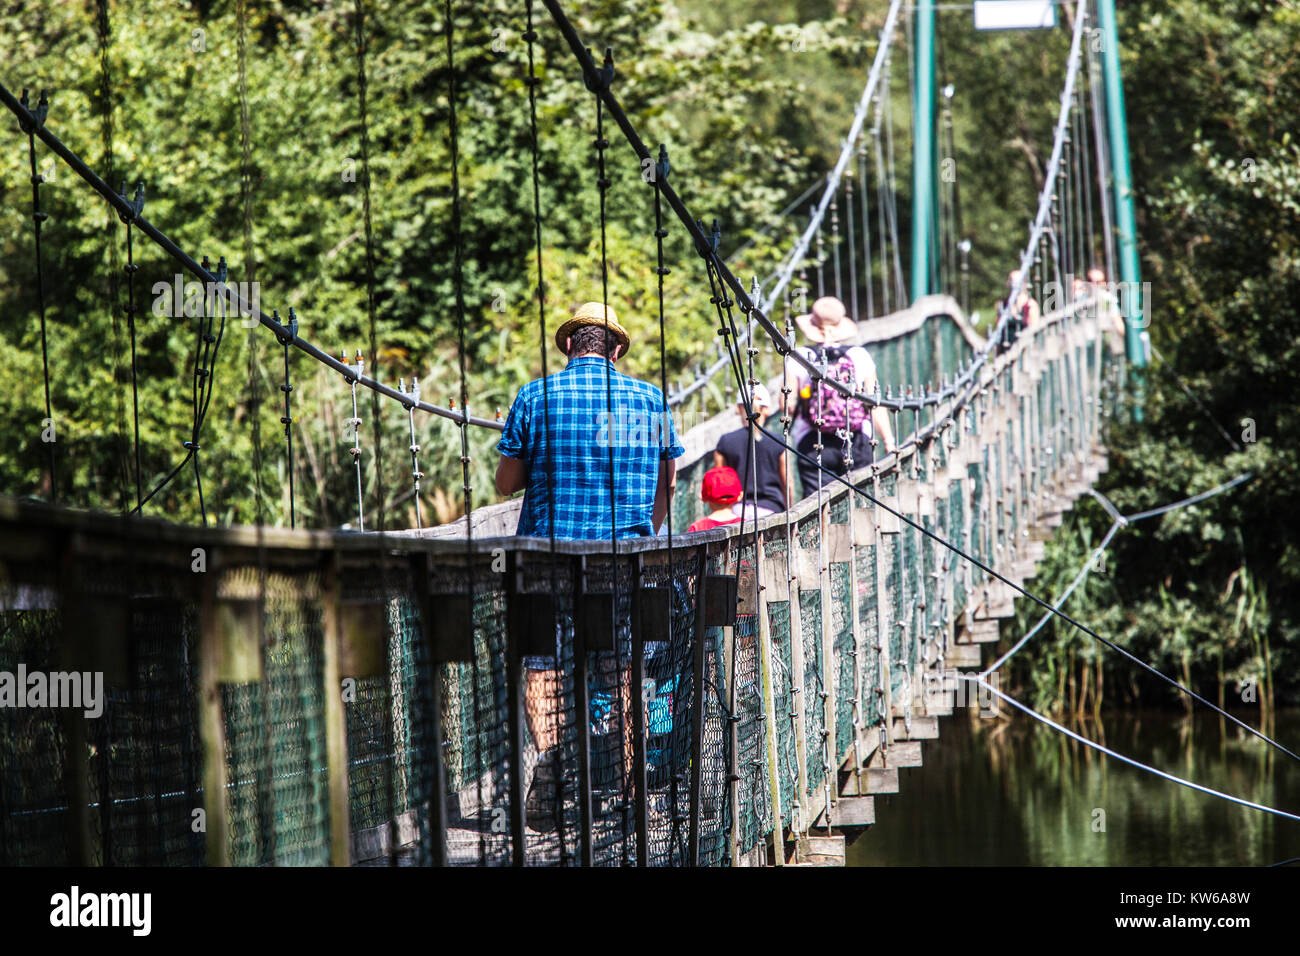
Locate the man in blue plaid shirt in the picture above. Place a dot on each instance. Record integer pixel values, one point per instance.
(560, 433)
(561, 438)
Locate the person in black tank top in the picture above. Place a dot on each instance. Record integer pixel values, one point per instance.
(733, 451)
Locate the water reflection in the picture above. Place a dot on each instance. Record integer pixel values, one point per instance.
(1014, 792)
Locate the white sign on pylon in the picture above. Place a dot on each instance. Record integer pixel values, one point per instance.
(1014, 14)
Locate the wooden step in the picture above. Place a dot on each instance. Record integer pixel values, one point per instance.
(818, 851)
(964, 655)
(995, 601)
(902, 753)
(850, 812)
(923, 728)
(874, 780)
(938, 703)
(979, 632)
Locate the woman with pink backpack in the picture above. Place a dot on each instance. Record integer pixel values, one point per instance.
(823, 415)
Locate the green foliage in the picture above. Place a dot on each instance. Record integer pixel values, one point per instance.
(1206, 592)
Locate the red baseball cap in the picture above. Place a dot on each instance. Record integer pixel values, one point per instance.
(721, 485)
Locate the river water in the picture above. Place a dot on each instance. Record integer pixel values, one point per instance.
(1015, 792)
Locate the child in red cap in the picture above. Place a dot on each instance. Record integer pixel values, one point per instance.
(721, 490)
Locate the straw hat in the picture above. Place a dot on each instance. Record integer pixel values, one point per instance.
(593, 313)
(828, 315)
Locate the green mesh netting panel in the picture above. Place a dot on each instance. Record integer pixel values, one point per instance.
(957, 535)
(778, 615)
(145, 767)
(411, 673)
(868, 623)
(808, 532)
(888, 365)
(753, 791)
(997, 510)
(687, 505)
(845, 649)
(898, 554)
(810, 617)
(275, 739)
(839, 509)
(389, 724)
(715, 803)
(931, 619)
(475, 708)
(669, 691)
(135, 763)
(367, 715)
(33, 743)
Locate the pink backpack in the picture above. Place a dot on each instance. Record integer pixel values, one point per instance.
(837, 410)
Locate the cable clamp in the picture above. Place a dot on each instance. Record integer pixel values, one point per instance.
(135, 204)
(38, 114)
(598, 78)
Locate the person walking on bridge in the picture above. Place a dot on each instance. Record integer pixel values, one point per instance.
(824, 415)
(565, 432)
(768, 473)
(594, 452)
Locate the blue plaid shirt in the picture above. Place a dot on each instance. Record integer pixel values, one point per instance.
(568, 450)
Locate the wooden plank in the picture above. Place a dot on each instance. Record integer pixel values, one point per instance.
(212, 728)
(937, 702)
(336, 734)
(887, 522)
(907, 490)
(363, 636)
(838, 547)
(997, 602)
(807, 567)
(819, 851)
(978, 632)
(901, 753)
(925, 496)
(776, 582)
(964, 655)
(874, 780)
(922, 728)
(852, 812)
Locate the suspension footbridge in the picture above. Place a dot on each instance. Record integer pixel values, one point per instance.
(278, 695)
